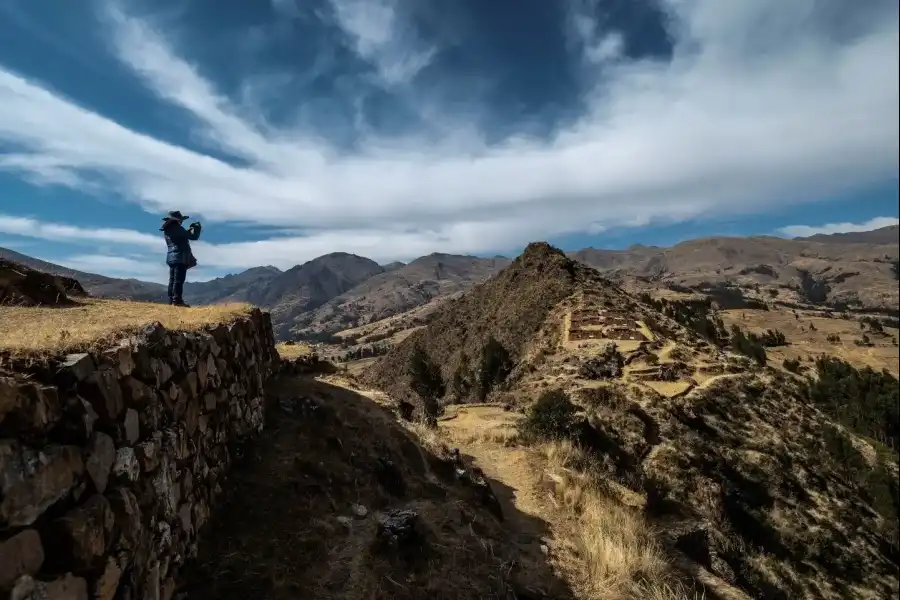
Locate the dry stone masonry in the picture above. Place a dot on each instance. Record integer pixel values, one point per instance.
(111, 461)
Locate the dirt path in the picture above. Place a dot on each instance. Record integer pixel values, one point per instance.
(479, 432)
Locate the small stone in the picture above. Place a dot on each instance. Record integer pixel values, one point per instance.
(166, 488)
(168, 589)
(108, 583)
(22, 554)
(148, 452)
(119, 359)
(30, 481)
(137, 393)
(360, 511)
(132, 426)
(126, 466)
(192, 383)
(345, 521)
(76, 368)
(398, 527)
(201, 515)
(187, 484)
(152, 583)
(28, 407)
(103, 391)
(87, 531)
(545, 549)
(184, 517)
(99, 459)
(161, 370)
(128, 517)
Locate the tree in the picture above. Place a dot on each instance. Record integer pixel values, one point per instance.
(496, 365)
(426, 382)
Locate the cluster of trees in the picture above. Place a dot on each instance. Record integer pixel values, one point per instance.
(772, 338)
(367, 351)
(696, 315)
(879, 486)
(493, 367)
(748, 344)
(865, 400)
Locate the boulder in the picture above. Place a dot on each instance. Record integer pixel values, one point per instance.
(22, 554)
(31, 481)
(87, 531)
(100, 456)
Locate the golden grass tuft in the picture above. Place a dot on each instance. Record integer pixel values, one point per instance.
(289, 351)
(614, 552)
(39, 330)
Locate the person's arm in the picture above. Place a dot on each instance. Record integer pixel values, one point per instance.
(193, 232)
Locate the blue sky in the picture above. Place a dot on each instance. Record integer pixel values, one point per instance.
(396, 128)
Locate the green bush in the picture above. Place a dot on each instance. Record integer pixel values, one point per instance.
(551, 417)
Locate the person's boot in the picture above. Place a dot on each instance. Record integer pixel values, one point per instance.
(181, 303)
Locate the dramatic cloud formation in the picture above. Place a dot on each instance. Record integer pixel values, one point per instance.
(761, 101)
(808, 230)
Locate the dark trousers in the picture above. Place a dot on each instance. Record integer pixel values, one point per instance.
(177, 275)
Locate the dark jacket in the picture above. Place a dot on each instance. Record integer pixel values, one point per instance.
(178, 240)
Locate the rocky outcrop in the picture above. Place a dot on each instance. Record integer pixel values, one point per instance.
(23, 286)
(112, 461)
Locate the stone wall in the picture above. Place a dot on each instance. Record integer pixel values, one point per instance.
(111, 461)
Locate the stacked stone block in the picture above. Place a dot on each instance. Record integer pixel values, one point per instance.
(112, 461)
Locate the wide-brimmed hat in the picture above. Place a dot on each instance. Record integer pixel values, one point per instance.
(175, 215)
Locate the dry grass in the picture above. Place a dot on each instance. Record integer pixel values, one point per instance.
(614, 551)
(806, 344)
(289, 351)
(36, 330)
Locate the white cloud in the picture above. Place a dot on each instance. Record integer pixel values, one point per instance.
(830, 228)
(758, 103)
(56, 232)
(380, 35)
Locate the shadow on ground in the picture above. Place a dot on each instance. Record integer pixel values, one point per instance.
(300, 518)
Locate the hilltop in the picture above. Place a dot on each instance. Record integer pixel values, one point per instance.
(745, 469)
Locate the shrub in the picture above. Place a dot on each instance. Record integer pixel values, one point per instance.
(551, 417)
(494, 368)
(426, 381)
(792, 365)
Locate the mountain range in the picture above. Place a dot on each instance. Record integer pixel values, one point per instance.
(338, 291)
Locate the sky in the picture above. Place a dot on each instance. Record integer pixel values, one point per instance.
(397, 128)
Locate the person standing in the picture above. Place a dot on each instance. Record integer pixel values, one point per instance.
(179, 256)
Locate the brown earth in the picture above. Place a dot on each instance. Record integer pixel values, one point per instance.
(303, 517)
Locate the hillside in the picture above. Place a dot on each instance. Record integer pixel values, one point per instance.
(759, 482)
(831, 274)
(398, 290)
(881, 236)
(510, 307)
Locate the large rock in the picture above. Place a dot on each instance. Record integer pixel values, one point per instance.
(68, 587)
(129, 518)
(100, 457)
(87, 531)
(103, 391)
(31, 481)
(27, 408)
(22, 554)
